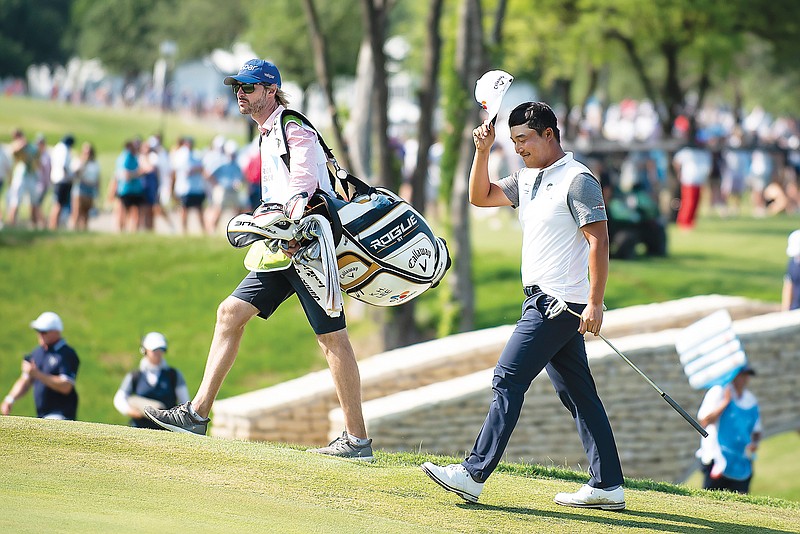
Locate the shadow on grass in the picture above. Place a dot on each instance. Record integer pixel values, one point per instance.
(649, 521)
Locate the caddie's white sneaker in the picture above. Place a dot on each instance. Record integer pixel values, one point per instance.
(589, 497)
(455, 478)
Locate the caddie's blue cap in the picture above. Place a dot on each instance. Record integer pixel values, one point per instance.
(256, 71)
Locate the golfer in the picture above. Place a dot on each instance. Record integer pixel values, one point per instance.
(564, 235)
(258, 92)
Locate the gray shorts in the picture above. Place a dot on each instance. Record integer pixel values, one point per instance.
(266, 291)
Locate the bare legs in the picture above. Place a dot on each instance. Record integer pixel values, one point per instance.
(346, 378)
(232, 316)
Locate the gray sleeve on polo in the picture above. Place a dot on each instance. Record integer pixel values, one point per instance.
(585, 200)
(510, 186)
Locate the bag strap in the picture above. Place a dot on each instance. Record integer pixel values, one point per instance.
(346, 179)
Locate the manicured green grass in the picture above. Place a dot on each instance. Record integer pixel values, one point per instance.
(86, 478)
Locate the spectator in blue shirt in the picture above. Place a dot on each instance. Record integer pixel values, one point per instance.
(226, 183)
(51, 369)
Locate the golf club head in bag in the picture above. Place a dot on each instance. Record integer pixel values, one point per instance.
(490, 90)
(267, 222)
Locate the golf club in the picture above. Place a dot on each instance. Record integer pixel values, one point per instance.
(558, 306)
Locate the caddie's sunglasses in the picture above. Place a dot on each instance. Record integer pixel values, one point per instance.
(247, 88)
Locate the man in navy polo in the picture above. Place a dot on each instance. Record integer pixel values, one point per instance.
(51, 369)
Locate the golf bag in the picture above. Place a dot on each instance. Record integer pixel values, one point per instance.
(386, 253)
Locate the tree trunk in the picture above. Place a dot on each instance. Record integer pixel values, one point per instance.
(673, 94)
(402, 328)
(470, 64)
(358, 128)
(374, 13)
(321, 66)
(427, 105)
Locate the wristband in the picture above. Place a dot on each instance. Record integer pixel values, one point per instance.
(9, 399)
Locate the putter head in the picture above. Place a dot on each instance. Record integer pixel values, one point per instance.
(555, 308)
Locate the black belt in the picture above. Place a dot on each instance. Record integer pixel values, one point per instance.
(531, 290)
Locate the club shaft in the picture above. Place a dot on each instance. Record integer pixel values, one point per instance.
(677, 407)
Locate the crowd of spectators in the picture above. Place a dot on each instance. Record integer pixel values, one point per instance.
(148, 181)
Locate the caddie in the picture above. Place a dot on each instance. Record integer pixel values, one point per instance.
(290, 182)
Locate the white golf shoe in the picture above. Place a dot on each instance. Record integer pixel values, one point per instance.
(455, 478)
(589, 497)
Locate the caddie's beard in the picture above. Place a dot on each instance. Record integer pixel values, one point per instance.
(250, 107)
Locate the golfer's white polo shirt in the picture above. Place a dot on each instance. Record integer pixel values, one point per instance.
(552, 210)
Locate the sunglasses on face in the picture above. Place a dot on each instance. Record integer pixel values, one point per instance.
(247, 88)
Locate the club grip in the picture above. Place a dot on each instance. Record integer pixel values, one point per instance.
(689, 418)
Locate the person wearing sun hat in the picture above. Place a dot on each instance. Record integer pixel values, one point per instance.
(153, 383)
(790, 296)
(51, 369)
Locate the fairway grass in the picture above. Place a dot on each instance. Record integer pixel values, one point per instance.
(59, 476)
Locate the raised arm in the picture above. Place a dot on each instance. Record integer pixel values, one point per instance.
(482, 192)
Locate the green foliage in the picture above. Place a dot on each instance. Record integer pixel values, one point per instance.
(278, 31)
(88, 478)
(200, 26)
(126, 36)
(121, 34)
(31, 33)
(565, 39)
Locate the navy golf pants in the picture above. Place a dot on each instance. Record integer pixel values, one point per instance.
(555, 345)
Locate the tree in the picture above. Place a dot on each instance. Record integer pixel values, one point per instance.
(402, 328)
(200, 26)
(672, 53)
(32, 32)
(121, 34)
(374, 14)
(321, 64)
(469, 62)
(282, 38)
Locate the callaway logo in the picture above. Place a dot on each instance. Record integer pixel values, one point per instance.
(396, 233)
(501, 81)
(416, 255)
(349, 272)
